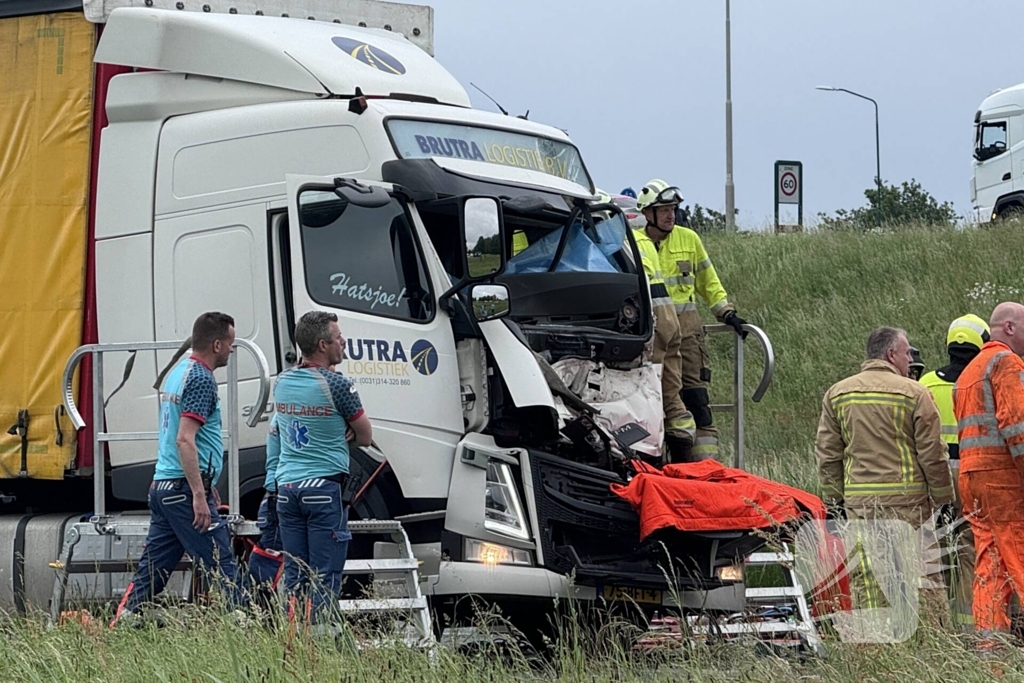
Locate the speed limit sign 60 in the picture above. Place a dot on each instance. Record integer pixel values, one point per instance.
(789, 189)
(788, 183)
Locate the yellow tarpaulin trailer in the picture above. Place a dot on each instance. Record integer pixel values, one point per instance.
(46, 91)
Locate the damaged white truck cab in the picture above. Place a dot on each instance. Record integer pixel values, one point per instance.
(267, 167)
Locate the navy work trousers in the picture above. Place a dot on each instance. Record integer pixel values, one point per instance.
(314, 532)
(266, 558)
(171, 535)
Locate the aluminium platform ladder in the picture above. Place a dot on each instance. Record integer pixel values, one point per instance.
(103, 530)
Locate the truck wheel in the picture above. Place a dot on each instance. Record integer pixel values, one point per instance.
(383, 500)
(1011, 212)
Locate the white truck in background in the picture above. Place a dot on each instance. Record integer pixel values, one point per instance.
(266, 166)
(997, 181)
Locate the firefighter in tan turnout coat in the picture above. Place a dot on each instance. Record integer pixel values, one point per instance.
(881, 455)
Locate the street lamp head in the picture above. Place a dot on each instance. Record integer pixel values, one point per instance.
(825, 87)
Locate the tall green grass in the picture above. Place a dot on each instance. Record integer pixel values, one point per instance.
(817, 295)
(206, 647)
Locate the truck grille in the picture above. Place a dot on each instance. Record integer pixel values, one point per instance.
(587, 529)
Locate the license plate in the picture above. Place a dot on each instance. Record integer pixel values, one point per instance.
(639, 595)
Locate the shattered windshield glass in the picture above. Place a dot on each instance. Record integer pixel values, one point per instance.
(601, 248)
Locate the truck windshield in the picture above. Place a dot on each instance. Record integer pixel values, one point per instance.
(602, 248)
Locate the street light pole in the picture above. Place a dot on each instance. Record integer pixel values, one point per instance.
(730, 188)
(878, 154)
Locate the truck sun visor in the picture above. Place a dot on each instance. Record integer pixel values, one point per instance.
(429, 139)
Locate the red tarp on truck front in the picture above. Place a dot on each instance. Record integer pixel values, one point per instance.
(46, 85)
(707, 496)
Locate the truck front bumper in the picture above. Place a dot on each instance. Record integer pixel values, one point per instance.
(499, 583)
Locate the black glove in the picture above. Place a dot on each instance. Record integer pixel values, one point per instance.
(736, 323)
(835, 513)
(946, 516)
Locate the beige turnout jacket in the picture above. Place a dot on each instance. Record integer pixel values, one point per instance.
(879, 442)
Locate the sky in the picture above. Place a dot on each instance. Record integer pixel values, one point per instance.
(640, 88)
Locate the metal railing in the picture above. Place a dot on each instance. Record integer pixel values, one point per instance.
(100, 437)
(736, 407)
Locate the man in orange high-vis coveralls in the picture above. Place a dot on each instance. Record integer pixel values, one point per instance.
(988, 401)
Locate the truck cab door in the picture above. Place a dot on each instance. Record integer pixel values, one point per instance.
(993, 168)
(362, 253)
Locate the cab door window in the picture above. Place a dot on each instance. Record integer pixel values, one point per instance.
(363, 259)
(990, 140)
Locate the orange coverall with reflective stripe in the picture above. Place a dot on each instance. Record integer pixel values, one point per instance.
(988, 401)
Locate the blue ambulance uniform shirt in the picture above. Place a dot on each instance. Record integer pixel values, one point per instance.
(189, 389)
(273, 455)
(313, 406)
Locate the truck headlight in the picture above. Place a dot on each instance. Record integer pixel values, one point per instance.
(503, 513)
(729, 572)
(492, 553)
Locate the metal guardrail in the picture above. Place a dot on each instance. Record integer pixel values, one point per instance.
(99, 437)
(736, 407)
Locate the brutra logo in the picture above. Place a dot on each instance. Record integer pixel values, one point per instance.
(370, 55)
(424, 357)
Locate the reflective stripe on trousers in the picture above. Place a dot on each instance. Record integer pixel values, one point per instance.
(315, 536)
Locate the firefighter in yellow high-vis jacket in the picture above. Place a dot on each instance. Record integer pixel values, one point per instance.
(688, 274)
(964, 339)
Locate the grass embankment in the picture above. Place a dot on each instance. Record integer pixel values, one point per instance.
(818, 295)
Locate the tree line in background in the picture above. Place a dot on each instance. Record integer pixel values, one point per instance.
(891, 206)
(487, 245)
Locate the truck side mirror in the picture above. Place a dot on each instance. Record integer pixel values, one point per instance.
(483, 234)
(490, 302)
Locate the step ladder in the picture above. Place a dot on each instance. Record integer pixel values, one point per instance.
(775, 615)
(395, 591)
(778, 614)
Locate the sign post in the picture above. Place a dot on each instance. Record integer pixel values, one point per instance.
(789, 189)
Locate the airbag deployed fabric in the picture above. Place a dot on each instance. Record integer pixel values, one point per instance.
(620, 397)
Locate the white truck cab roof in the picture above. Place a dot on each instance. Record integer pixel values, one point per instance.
(305, 56)
(1002, 103)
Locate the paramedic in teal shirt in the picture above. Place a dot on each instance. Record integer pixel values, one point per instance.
(190, 457)
(314, 408)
